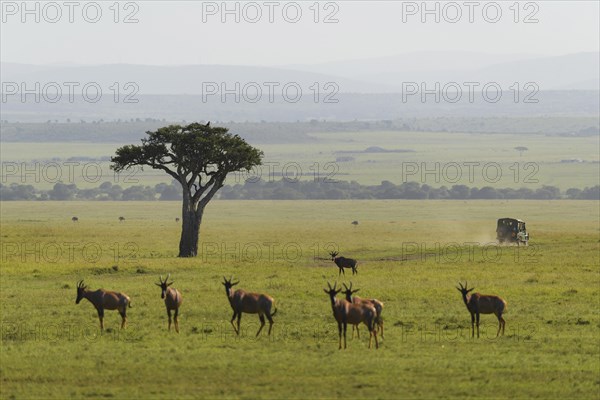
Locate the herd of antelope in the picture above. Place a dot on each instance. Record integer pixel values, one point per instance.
(350, 309)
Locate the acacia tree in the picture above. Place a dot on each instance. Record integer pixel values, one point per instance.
(521, 149)
(199, 157)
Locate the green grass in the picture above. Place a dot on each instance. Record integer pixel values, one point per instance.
(51, 348)
(432, 152)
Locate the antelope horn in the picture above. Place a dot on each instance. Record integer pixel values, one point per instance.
(168, 276)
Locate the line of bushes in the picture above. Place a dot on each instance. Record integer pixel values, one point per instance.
(294, 190)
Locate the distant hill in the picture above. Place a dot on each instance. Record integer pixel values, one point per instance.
(578, 71)
(409, 63)
(374, 75)
(182, 80)
(365, 89)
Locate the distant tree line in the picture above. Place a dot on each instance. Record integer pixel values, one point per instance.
(106, 191)
(294, 190)
(122, 130)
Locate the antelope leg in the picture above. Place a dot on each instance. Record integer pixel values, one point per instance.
(124, 318)
(270, 324)
(232, 319)
(262, 323)
(101, 317)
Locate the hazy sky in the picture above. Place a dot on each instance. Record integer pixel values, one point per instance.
(194, 33)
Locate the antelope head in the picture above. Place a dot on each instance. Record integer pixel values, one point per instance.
(80, 291)
(228, 284)
(463, 289)
(349, 292)
(333, 255)
(164, 285)
(332, 292)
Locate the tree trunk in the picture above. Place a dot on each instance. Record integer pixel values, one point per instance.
(190, 229)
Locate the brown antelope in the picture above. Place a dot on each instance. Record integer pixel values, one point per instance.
(482, 304)
(347, 313)
(357, 300)
(75, 219)
(343, 262)
(121, 219)
(251, 303)
(104, 299)
(172, 298)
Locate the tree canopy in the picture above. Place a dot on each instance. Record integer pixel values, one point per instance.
(197, 156)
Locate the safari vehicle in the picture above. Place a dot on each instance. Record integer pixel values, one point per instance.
(512, 231)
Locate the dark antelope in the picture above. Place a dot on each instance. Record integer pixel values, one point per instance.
(172, 298)
(251, 303)
(75, 219)
(357, 300)
(121, 219)
(104, 300)
(343, 262)
(483, 304)
(347, 313)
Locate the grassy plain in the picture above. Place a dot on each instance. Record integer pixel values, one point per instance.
(411, 255)
(540, 165)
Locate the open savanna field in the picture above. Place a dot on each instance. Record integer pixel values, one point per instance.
(411, 256)
(433, 158)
